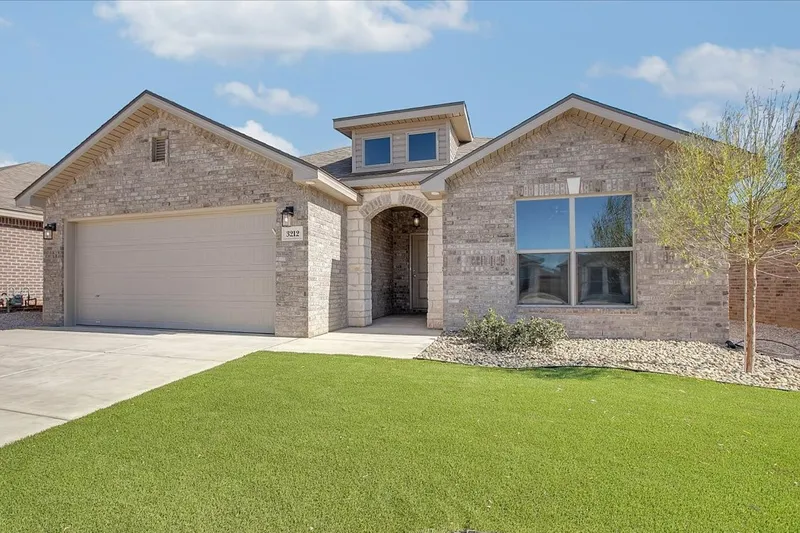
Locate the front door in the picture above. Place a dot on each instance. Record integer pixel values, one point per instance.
(419, 272)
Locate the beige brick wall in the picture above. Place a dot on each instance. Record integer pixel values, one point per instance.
(327, 264)
(777, 292)
(206, 171)
(21, 257)
(479, 237)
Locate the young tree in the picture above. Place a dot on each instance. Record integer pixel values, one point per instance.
(731, 193)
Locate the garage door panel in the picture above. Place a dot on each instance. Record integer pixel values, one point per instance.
(214, 272)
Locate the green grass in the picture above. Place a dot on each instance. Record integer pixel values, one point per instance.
(284, 442)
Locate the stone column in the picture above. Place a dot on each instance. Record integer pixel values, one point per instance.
(435, 267)
(359, 268)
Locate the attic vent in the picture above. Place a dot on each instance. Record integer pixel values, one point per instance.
(159, 150)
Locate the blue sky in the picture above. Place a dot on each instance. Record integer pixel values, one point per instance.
(65, 67)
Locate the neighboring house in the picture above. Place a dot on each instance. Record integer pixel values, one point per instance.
(20, 233)
(777, 291)
(166, 218)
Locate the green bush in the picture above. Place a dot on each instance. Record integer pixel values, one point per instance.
(494, 332)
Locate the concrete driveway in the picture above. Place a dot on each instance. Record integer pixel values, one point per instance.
(50, 376)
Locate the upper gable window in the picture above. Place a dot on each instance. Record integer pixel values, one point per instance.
(377, 151)
(422, 146)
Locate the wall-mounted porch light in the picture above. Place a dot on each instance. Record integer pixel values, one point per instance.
(48, 230)
(415, 219)
(286, 216)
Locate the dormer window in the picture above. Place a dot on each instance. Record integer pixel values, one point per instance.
(377, 151)
(422, 146)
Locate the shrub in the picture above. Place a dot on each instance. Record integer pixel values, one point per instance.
(495, 333)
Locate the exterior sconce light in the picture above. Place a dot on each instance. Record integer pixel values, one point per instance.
(47, 232)
(286, 216)
(415, 220)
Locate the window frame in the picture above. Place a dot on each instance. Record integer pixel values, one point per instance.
(435, 145)
(372, 138)
(573, 252)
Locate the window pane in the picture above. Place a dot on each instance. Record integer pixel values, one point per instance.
(377, 151)
(604, 277)
(603, 222)
(422, 146)
(544, 279)
(543, 224)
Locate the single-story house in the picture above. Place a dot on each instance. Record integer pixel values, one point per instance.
(166, 218)
(20, 234)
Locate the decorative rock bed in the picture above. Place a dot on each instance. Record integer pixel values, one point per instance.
(20, 319)
(693, 359)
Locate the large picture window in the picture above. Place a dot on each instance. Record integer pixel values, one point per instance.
(575, 251)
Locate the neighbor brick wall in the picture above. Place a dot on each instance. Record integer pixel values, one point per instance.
(479, 237)
(777, 292)
(382, 266)
(203, 171)
(21, 257)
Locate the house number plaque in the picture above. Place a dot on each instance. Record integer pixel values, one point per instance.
(292, 233)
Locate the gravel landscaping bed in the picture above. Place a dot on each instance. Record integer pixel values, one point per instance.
(20, 319)
(693, 359)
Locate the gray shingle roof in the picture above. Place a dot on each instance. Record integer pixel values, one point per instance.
(338, 162)
(13, 179)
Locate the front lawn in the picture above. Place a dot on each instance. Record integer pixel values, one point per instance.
(314, 443)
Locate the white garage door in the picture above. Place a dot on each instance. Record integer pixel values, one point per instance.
(207, 272)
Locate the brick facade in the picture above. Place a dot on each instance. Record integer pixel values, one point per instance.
(479, 236)
(777, 293)
(204, 170)
(327, 264)
(21, 257)
(382, 253)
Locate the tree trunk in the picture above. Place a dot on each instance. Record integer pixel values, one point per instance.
(749, 316)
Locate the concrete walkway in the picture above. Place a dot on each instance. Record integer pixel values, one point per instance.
(50, 376)
(396, 336)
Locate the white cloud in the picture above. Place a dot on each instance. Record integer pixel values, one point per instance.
(6, 159)
(4, 23)
(235, 30)
(257, 131)
(710, 70)
(703, 113)
(273, 101)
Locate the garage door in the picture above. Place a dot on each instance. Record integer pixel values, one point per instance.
(206, 272)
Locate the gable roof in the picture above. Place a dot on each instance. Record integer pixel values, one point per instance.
(455, 112)
(145, 106)
(338, 162)
(606, 115)
(13, 179)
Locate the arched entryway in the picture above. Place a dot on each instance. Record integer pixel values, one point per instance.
(395, 257)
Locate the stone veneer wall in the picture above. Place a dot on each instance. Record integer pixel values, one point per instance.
(777, 293)
(479, 237)
(382, 265)
(327, 265)
(204, 170)
(21, 257)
